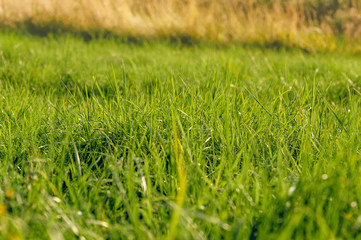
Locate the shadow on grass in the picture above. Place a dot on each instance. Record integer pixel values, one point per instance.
(55, 28)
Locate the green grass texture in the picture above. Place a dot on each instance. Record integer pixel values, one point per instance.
(105, 139)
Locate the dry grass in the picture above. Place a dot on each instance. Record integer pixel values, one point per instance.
(309, 24)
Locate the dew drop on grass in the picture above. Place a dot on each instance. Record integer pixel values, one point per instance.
(359, 219)
(144, 185)
(291, 190)
(324, 176)
(353, 204)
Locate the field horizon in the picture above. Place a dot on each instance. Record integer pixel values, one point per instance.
(311, 25)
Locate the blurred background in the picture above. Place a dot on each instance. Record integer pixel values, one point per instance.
(308, 24)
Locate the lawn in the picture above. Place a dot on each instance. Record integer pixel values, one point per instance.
(105, 139)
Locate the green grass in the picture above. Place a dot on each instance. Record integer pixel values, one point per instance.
(108, 140)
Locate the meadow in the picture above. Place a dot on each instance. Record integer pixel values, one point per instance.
(106, 139)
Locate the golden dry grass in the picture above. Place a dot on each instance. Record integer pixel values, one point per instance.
(309, 24)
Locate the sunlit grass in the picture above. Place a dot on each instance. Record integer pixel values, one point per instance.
(107, 140)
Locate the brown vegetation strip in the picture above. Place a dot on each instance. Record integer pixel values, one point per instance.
(309, 24)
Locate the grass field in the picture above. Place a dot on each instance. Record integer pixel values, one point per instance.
(108, 140)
